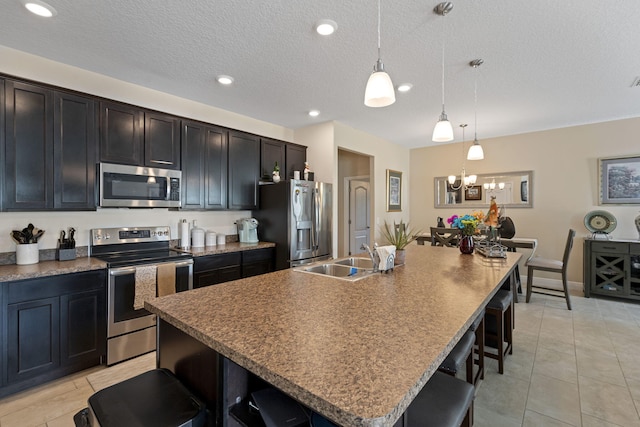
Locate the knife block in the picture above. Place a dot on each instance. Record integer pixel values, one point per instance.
(65, 254)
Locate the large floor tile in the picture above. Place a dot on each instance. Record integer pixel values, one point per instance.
(503, 394)
(607, 402)
(602, 365)
(589, 421)
(554, 398)
(534, 419)
(556, 364)
(122, 371)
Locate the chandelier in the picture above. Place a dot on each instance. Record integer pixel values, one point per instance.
(466, 181)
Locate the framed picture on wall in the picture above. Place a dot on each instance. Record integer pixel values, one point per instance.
(620, 180)
(473, 193)
(394, 191)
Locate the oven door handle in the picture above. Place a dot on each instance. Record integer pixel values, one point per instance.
(122, 271)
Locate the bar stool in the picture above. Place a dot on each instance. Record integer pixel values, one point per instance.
(444, 401)
(499, 326)
(154, 398)
(463, 351)
(478, 328)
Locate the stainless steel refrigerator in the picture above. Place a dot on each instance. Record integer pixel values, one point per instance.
(296, 216)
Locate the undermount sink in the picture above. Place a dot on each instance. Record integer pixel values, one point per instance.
(350, 269)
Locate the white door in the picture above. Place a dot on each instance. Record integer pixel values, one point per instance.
(359, 218)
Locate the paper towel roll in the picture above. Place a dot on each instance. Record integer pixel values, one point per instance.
(184, 234)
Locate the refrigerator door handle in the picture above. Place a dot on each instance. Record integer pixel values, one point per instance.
(316, 221)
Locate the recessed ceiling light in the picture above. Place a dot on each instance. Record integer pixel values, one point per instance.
(40, 8)
(225, 80)
(314, 113)
(405, 87)
(326, 27)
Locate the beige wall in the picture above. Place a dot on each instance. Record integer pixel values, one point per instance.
(35, 68)
(565, 165)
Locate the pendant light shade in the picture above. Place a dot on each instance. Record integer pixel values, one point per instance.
(443, 131)
(380, 91)
(475, 151)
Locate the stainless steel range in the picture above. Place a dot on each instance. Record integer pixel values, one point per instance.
(130, 252)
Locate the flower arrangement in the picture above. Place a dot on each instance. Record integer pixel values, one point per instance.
(467, 223)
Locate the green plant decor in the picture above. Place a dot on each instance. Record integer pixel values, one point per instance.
(276, 168)
(400, 235)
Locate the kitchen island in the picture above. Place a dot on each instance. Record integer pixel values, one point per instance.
(356, 352)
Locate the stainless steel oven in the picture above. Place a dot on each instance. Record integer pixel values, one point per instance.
(131, 331)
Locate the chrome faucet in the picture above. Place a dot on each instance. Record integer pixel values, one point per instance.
(373, 254)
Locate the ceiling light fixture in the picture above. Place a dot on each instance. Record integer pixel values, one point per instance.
(314, 113)
(465, 181)
(326, 27)
(475, 151)
(443, 130)
(379, 91)
(40, 8)
(405, 87)
(224, 80)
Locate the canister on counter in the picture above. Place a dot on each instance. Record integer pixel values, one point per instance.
(210, 238)
(221, 239)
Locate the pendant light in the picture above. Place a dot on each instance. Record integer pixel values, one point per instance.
(475, 151)
(380, 91)
(443, 130)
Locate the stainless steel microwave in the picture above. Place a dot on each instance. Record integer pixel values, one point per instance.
(139, 187)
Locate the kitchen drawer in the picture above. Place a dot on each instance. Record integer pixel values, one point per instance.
(610, 247)
(46, 287)
(257, 255)
(212, 262)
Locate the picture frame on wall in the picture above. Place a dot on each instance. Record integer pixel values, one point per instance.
(473, 193)
(394, 191)
(619, 180)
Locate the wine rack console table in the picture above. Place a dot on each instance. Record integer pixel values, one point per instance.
(612, 268)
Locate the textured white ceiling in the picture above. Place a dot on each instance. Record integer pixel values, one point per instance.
(548, 64)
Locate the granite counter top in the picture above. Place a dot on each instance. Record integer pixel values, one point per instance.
(356, 352)
(48, 268)
(228, 248)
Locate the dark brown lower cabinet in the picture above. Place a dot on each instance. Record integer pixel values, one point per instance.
(54, 326)
(214, 269)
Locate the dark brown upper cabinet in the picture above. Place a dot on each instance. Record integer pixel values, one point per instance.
(121, 133)
(295, 156)
(271, 151)
(161, 141)
(132, 136)
(50, 141)
(244, 170)
(74, 152)
(204, 166)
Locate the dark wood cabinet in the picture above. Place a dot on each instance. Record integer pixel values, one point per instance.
(54, 326)
(74, 152)
(295, 156)
(121, 133)
(257, 261)
(132, 136)
(244, 170)
(213, 269)
(29, 147)
(272, 151)
(50, 150)
(161, 141)
(204, 166)
(2, 144)
(612, 268)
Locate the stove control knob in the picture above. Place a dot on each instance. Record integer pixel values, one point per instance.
(97, 237)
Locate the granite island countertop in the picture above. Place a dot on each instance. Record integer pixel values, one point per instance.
(356, 352)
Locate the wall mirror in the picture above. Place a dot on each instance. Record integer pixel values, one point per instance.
(511, 189)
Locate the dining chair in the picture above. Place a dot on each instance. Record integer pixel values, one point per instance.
(554, 266)
(449, 237)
